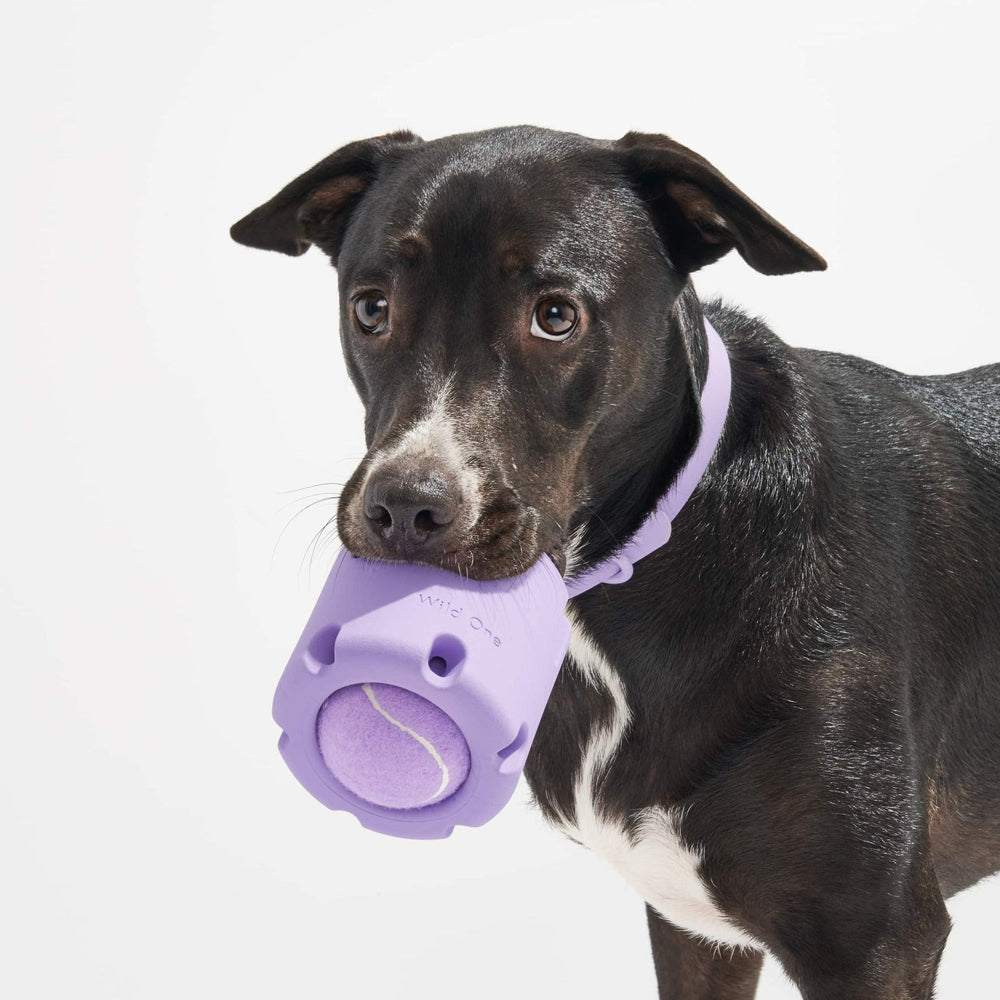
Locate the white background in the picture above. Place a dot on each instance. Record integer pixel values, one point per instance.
(169, 397)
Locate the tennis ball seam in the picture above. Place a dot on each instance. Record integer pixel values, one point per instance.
(423, 741)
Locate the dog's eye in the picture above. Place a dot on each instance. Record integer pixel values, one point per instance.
(372, 311)
(554, 319)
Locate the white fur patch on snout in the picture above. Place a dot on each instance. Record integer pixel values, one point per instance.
(435, 436)
(654, 860)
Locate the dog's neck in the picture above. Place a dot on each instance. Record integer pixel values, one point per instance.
(656, 448)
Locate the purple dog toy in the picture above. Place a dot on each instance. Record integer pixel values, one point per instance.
(413, 694)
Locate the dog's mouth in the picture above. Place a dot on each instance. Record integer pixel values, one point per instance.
(506, 539)
(494, 562)
(505, 551)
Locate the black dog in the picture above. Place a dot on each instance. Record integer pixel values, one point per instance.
(785, 729)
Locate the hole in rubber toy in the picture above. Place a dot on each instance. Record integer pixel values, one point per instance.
(446, 657)
(323, 647)
(391, 747)
(512, 755)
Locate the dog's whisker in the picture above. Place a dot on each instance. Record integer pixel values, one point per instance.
(314, 486)
(308, 497)
(294, 518)
(308, 503)
(311, 548)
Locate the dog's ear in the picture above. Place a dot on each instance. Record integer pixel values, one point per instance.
(316, 207)
(701, 215)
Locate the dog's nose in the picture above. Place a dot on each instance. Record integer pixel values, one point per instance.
(408, 513)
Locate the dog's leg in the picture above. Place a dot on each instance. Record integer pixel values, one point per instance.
(889, 951)
(900, 970)
(689, 969)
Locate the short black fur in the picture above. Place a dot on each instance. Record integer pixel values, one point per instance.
(812, 665)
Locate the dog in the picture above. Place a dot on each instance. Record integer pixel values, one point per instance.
(784, 729)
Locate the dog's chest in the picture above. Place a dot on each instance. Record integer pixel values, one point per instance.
(653, 858)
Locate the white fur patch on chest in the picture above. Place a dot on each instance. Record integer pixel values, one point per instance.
(654, 860)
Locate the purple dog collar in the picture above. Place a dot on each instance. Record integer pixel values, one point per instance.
(654, 532)
(413, 695)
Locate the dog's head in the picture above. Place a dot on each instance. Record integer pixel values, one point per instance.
(516, 317)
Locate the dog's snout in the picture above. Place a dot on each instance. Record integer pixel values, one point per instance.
(406, 512)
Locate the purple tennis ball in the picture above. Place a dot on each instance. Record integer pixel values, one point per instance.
(391, 747)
